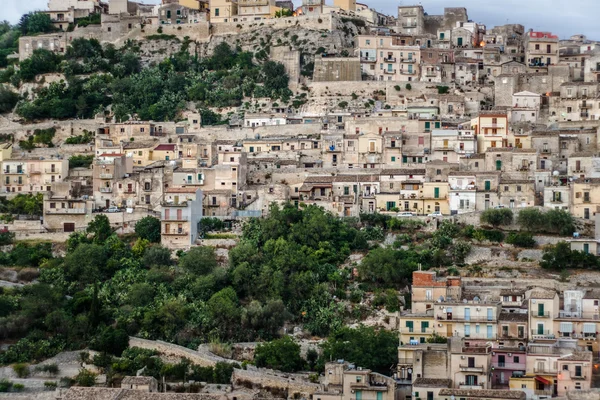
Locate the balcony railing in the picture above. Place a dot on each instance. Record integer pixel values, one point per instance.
(368, 59)
(537, 314)
(543, 349)
(544, 370)
(577, 315)
(106, 176)
(253, 2)
(474, 318)
(412, 24)
(176, 218)
(417, 331)
(408, 60)
(390, 59)
(171, 204)
(51, 171)
(469, 368)
(511, 366)
(176, 232)
(106, 190)
(475, 386)
(431, 73)
(59, 211)
(584, 115)
(404, 72)
(105, 162)
(389, 71)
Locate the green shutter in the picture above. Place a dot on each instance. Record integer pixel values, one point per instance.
(488, 185)
(393, 159)
(410, 326)
(436, 193)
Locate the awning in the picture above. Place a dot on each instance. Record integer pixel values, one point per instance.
(589, 328)
(543, 380)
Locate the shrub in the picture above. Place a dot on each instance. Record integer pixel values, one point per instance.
(408, 86)
(397, 87)
(282, 354)
(5, 385)
(17, 387)
(21, 369)
(50, 384)
(521, 239)
(85, 378)
(49, 368)
(497, 217)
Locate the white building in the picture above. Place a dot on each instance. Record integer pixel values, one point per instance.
(451, 144)
(255, 120)
(526, 107)
(462, 193)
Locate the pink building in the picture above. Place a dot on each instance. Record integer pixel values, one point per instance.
(507, 362)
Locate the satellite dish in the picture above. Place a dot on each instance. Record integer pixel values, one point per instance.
(555, 173)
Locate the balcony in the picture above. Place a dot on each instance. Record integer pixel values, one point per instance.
(367, 386)
(403, 72)
(105, 162)
(106, 190)
(176, 218)
(172, 204)
(417, 331)
(66, 211)
(408, 60)
(585, 106)
(368, 60)
(253, 2)
(578, 315)
(532, 349)
(471, 386)
(390, 59)
(584, 115)
(468, 318)
(35, 172)
(510, 366)
(405, 361)
(409, 13)
(51, 171)
(106, 176)
(389, 71)
(412, 24)
(581, 171)
(431, 74)
(175, 232)
(7, 172)
(537, 314)
(471, 368)
(128, 191)
(147, 188)
(545, 370)
(493, 125)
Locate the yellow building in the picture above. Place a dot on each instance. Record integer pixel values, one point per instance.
(252, 10)
(166, 152)
(223, 11)
(139, 152)
(30, 176)
(491, 130)
(585, 195)
(348, 5)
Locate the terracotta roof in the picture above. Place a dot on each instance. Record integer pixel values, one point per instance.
(513, 317)
(541, 293)
(577, 357)
(404, 171)
(165, 147)
(484, 393)
(139, 380)
(181, 190)
(432, 382)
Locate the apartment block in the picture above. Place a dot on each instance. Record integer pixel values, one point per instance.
(181, 212)
(32, 175)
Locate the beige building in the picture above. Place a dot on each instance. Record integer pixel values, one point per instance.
(142, 383)
(491, 130)
(541, 49)
(181, 212)
(254, 10)
(68, 207)
(585, 197)
(384, 58)
(347, 5)
(31, 175)
(108, 171)
(223, 11)
(345, 382)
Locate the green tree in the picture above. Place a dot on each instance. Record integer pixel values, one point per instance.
(36, 23)
(199, 260)
(367, 347)
(148, 228)
(100, 228)
(8, 99)
(281, 354)
(157, 256)
(85, 378)
(224, 313)
(497, 217)
(111, 341)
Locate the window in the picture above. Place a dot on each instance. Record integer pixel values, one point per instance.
(216, 12)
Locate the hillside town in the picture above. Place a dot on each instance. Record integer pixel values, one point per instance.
(432, 119)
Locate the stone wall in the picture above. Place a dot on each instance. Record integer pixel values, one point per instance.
(278, 384)
(172, 350)
(337, 69)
